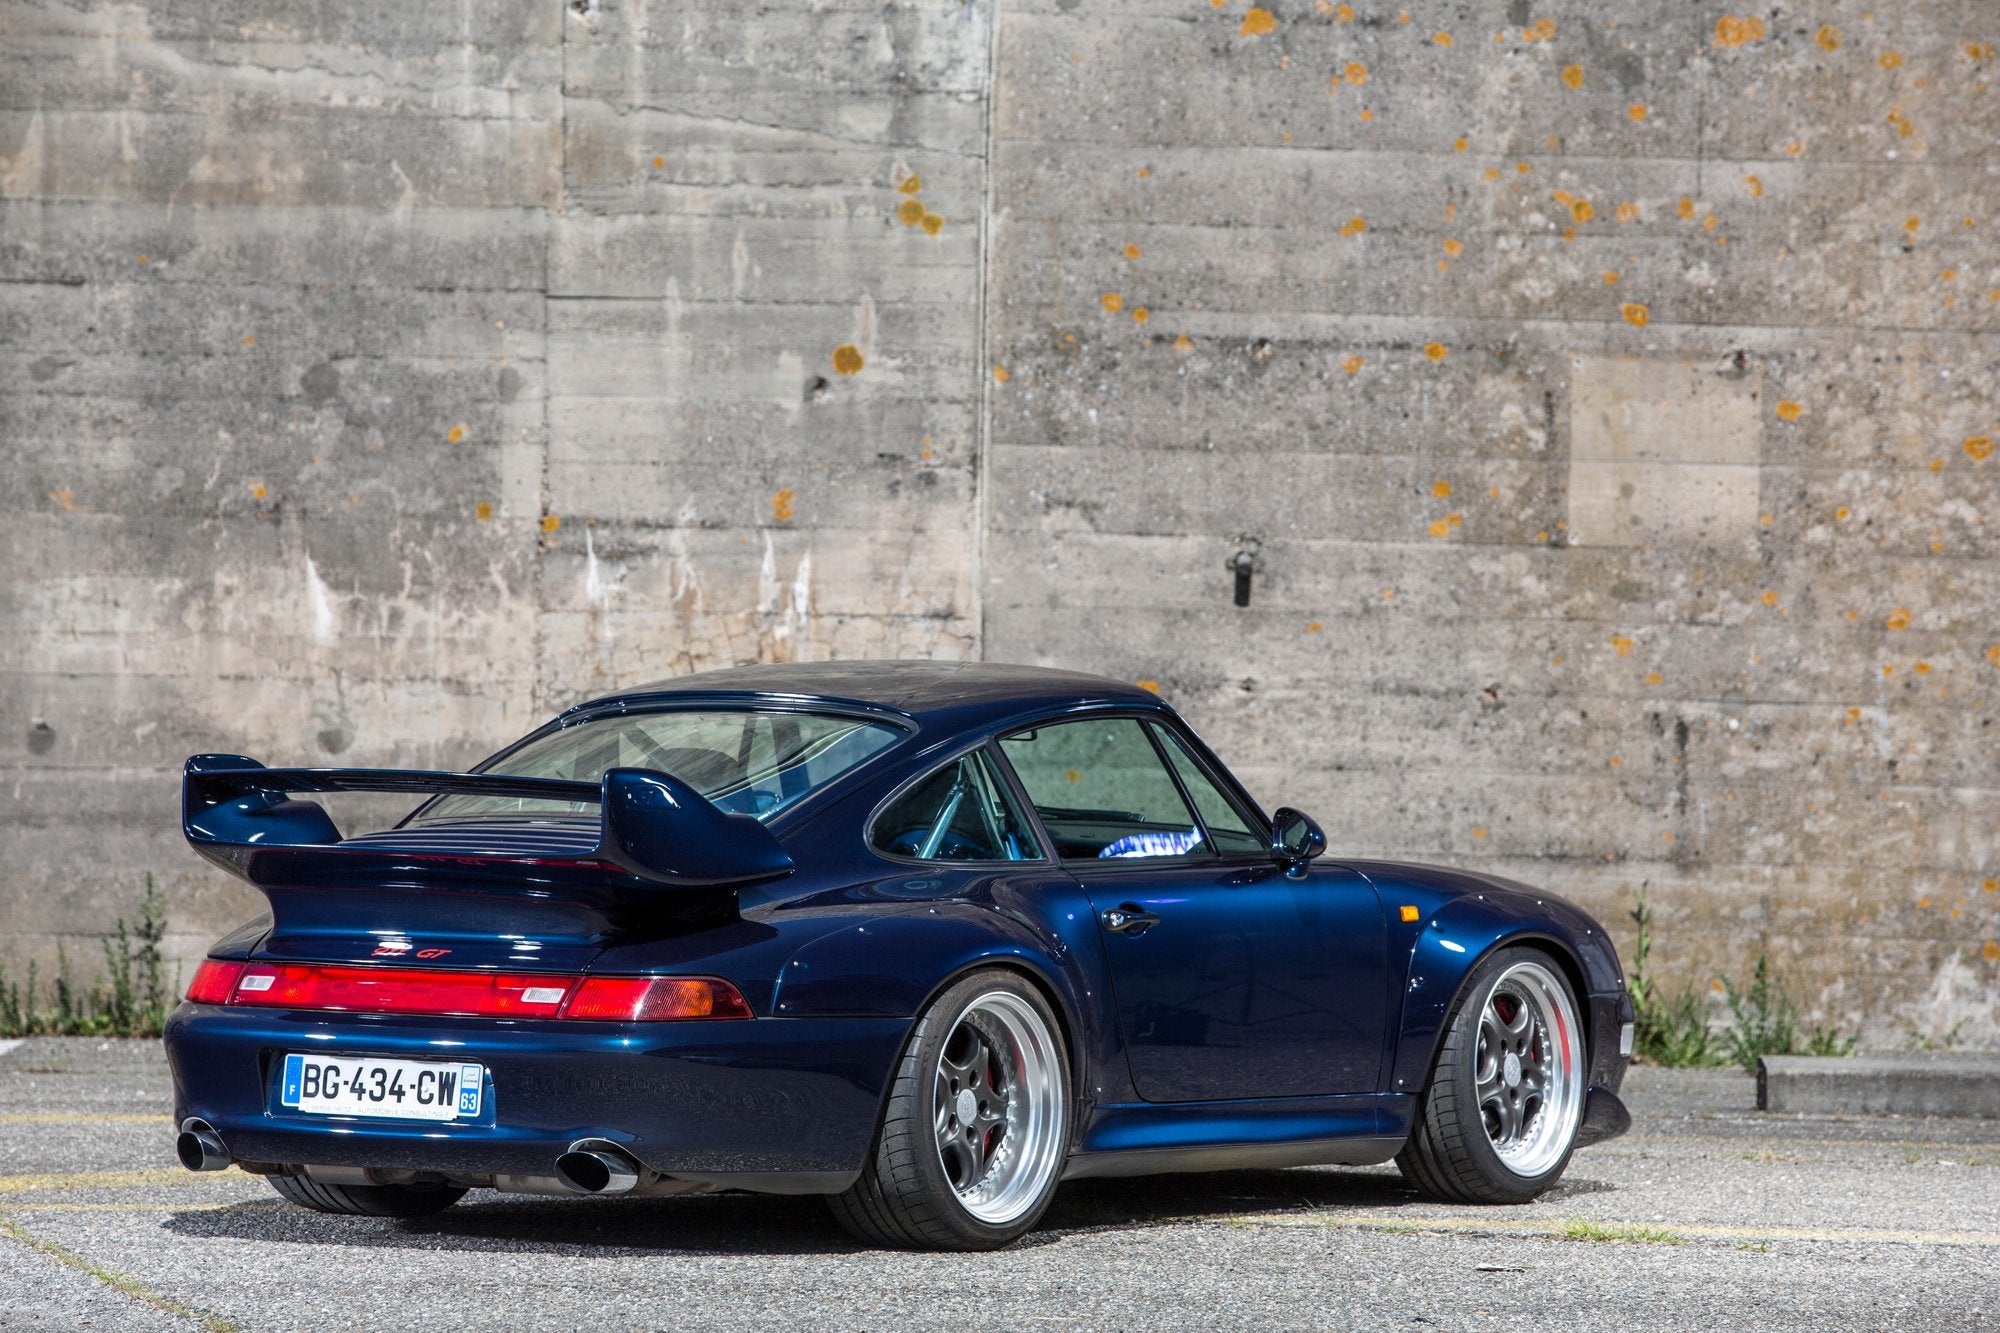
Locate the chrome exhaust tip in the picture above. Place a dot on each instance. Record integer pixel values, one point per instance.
(594, 1166)
(200, 1148)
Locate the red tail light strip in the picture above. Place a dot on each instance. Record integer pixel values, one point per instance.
(466, 993)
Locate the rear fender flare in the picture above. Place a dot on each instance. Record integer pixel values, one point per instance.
(863, 970)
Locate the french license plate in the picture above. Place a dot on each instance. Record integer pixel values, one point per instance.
(397, 1089)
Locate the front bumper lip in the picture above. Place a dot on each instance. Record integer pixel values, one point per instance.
(1604, 1117)
(762, 1098)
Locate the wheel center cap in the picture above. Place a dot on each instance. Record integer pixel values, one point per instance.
(967, 1106)
(1510, 1069)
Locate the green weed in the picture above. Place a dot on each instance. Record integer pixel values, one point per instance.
(1578, 1228)
(129, 999)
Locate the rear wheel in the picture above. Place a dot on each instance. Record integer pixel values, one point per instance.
(367, 1200)
(977, 1124)
(1498, 1120)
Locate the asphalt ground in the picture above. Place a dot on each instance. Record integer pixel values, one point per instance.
(1708, 1215)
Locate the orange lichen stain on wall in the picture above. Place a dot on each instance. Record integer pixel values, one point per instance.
(258, 490)
(1992, 950)
(1493, 173)
(781, 504)
(1636, 112)
(1541, 30)
(1654, 678)
(1352, 365)
(1343, 13)
(1936, 466)
(1436, 351)
(1441, 489)
(550, 522)
(1112, 302)
(1183, 343)
(1990, 885)
(1922, 668)
(1315, 627)
(1685, 208)
(659, 162)
(1843, 513)
(1635, 314)
(65, 500)
(1001, 375)
(1572, 77)
(847, 359)
(1354, 226)
(1770, 597)
(1582, 210)
(1458, 145)
(1733, 31)
(1979, 448)
(1610, 278)
(1453, 247)
(1439, 528)
(1904, 127)
(456, 433)
(1899, 619)
(1440, 39)
(1133, 252)
(1141, 315)
(1790, 411)
(1628, 212)
(910, 212)
(1356, 73)
(1257, 22)
(1622, 644)
(1912, 222)
(1890, 59)
(912, 183)
(1828, 37)
(1853, 716)
(483, 510)
(1754, 184)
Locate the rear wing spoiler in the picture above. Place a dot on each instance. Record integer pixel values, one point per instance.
(654, 828)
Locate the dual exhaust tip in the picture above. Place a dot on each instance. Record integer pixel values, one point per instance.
(591, 1166)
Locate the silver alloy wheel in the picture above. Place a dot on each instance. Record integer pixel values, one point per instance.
(1528, 1068)
(998, 1107)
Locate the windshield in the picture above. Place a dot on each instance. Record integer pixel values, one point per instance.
(748, 763)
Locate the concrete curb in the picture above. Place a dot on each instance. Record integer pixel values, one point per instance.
(1945, 1084)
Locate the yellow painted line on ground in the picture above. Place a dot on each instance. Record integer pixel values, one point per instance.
(119, 1282)
(106, 1180)
(55, 1118)
(260, 1205)
(71, 1117)
(1643, 1140)
(1686, 1231)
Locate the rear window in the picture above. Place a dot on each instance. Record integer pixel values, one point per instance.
(752, 763)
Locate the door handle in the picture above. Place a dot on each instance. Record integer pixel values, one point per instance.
(1129, 919)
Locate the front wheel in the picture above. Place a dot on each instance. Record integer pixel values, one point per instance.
(1498, 1119)
(976, 1128)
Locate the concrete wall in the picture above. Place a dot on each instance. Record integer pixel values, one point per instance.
(1603, 393)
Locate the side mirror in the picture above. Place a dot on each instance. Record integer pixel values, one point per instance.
(1295, 840)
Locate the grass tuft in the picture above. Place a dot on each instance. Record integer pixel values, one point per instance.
(1578, 1228)
(129, 999)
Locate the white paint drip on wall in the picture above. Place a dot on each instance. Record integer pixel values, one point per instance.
(320, 599)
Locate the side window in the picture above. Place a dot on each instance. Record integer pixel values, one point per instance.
(962, 812)
(1232, 834)
(1102, 792)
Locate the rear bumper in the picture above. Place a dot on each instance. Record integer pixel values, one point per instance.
(787, 1105)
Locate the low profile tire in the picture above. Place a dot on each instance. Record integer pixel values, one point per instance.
(367, 1200)
(976, 1129)
(1498, 1119)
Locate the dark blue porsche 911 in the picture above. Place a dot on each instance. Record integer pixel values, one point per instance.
(926, 938)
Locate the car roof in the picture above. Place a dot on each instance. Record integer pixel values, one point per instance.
(960, 693)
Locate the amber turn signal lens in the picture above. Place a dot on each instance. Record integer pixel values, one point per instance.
(1409, 912)
(655, 999)
(214, 981)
